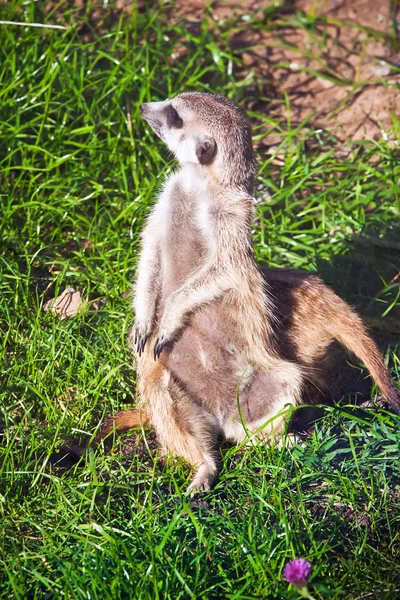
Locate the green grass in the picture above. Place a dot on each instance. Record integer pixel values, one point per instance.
(79, 171)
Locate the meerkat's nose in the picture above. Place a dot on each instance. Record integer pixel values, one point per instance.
(142, 107)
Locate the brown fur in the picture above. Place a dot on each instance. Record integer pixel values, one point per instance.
(310, 316)
(223, 347)
(123, 421)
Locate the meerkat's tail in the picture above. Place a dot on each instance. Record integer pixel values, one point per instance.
(74, 450)
(347, 327)
(121, 422)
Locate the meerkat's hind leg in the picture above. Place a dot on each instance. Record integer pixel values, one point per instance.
(266, 402)
(183, 427)
(200, 443)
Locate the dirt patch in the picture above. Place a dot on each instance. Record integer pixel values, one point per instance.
(334, 60)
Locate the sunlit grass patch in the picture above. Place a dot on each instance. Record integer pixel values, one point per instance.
(79, 171)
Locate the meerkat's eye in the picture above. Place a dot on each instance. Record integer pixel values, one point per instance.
(173, 119)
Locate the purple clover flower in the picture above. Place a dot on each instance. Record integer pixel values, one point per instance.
(297, 572)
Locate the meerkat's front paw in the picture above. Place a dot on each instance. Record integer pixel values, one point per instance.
(140, 335)
(166, 335)
(162, 340)
(171, 323)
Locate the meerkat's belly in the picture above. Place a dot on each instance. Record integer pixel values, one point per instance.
(211, 359)
(211, 362)
(207, 357)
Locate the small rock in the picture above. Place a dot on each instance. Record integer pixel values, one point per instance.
(382, 70)
(68, 304)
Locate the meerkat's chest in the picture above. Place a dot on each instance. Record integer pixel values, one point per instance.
(184, 241)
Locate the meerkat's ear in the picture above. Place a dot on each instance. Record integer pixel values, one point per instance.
(206, 149)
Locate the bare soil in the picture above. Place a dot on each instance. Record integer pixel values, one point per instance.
(339, 66)
(357, 50)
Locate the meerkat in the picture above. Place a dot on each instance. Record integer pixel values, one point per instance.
(223, 348)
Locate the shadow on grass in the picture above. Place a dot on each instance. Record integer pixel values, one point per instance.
(368, 277)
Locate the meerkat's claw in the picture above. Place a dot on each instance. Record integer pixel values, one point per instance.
(155, 349)
(159, 346)
(140, 334)
(140, 344)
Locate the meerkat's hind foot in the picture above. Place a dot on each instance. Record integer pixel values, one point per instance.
(204, 480)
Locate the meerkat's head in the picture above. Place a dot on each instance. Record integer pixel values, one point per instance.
(207, 130)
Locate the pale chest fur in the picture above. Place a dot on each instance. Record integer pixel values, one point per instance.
(181, 219)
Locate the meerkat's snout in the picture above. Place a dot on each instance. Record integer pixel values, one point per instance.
(153, 115)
